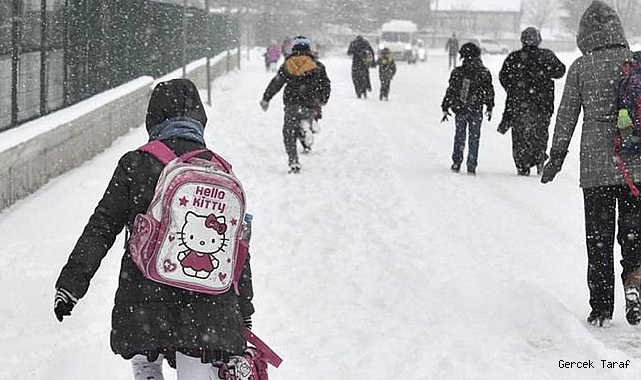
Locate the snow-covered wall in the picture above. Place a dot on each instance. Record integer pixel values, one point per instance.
(37, 151)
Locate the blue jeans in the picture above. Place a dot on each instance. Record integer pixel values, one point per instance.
(467, 123)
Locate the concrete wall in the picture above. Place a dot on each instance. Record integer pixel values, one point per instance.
(29, 164)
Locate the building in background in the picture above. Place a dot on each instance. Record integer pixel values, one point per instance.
(489, 18)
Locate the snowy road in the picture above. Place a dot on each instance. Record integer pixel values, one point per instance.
(375, 262)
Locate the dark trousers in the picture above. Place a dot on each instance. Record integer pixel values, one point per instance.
(361, 80)
(292, 129)
(530, 139)
(385, 83)
(601, 221)
(452, 60)
(467, 123)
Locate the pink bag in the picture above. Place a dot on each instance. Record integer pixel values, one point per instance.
(191, 235)
(252, 364)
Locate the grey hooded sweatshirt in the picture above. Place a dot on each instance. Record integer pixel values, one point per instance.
(592, 87)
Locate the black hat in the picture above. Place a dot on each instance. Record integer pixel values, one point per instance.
(176, 97)
(531, 36)
(469, 50)
(301, 43)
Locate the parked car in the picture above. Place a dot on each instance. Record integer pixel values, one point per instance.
(490, 46)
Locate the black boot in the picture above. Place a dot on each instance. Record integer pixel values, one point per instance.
(631, 286)
(600, 318)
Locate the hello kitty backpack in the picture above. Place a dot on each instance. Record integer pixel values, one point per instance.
(191, 236)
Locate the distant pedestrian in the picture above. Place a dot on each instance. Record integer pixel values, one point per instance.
(470, 88)
(612, 211)
(272, 56)
(362, 60)
(286, 47)
(386, 71)
(527, 77)
(451, 47)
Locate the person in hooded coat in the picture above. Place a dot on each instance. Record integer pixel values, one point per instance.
(386, 71)
(307, 88)
(527, 77)
(151, 320)
(591, 86)
(470, 88)
(362, 59)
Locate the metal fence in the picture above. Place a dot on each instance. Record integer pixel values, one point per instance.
(54, 53)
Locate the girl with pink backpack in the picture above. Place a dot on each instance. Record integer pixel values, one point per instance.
(152, 321)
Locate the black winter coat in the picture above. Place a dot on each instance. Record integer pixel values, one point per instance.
(305, 80)
(470, 87)
(362, 54)
(527, 77)
(148, 315)
(386, 68)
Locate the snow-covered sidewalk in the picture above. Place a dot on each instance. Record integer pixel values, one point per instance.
(374, 262)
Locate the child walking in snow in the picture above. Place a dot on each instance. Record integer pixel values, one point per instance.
(470, 87)
(306, 88)
(151, 321)
(386, 71)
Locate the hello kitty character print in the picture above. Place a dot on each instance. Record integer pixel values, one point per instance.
(203, 237)
(191, 235)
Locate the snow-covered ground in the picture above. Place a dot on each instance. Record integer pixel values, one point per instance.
(375, 262)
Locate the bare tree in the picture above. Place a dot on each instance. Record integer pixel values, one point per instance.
(539, 13)
(628, 11)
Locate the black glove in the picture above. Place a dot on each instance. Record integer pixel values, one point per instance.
(247, 321)
(63, 303)
(553, 166)
(489, 115)
(445, 115)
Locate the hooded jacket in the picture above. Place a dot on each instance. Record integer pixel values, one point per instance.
(592, 87)
(305, 80)
(527, 77)
(148, 316)
(360, 50)
(480, 90)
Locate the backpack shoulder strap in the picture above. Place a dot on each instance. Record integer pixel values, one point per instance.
(225, 164)
(159, 150)
(164, 154)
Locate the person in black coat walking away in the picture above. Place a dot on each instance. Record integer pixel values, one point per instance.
(451, 47)
(527, 77)
(386, 71)
(307, 88)
(362, 59)
(151, 321)
(470, 88)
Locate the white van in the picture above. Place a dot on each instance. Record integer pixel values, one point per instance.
(399, 36)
